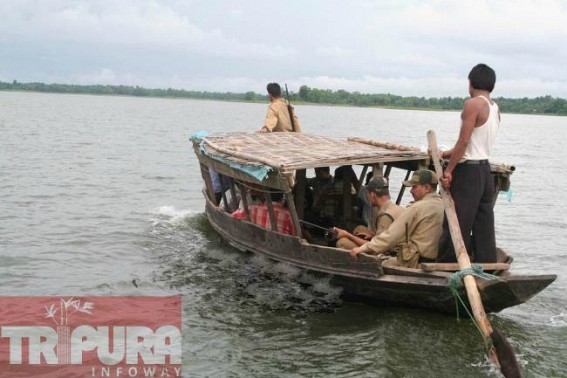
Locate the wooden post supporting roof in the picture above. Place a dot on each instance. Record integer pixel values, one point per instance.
(224, 199)
(402, 189)
(362, 175)
(388, 171)
(233, 195)
(271, 212)
(208, 183)
(347, 200)
(294, 217)
(244, 196)
(300, 188)
(378, 170)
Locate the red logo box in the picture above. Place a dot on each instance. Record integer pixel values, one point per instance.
(90, 336)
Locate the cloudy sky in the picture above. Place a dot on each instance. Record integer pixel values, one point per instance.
(423, 48)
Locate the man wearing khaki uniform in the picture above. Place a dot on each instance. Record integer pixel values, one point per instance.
(418, 228)
(277, 116)
(379, 197)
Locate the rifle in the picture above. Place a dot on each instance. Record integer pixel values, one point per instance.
(289, 109)
(330, 233)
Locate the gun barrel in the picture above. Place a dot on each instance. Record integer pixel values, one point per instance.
(290, 109)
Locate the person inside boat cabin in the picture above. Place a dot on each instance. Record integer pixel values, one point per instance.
(418, 228)
(367, 212)
(379, 196)
(322, 181)
(468, 174)
(220, 183)
(259, 215)
(278, 116)
(327, 205)
(327, 196)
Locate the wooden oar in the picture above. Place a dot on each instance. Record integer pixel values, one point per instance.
(500, 351)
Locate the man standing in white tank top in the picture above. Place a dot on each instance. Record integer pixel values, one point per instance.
(468, 174)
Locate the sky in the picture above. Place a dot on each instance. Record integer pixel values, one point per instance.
(410, 48)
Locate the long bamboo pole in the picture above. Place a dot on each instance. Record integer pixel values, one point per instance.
(388, 146)
(473, 295)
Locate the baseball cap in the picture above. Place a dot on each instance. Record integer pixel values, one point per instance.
(377, 183)
(423, 176)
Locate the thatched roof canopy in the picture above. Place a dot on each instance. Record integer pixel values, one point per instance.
(290, 151)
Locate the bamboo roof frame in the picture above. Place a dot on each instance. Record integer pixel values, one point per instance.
(286, 152)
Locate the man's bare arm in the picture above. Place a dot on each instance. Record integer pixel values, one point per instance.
(345, 234)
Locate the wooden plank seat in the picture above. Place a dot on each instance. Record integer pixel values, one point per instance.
(453, 267)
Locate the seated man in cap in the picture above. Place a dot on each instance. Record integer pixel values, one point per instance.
(418, 228)
(379, 196)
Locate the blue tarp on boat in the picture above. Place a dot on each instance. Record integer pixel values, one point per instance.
(258, 172)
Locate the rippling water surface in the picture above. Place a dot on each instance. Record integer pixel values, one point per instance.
(101, 195)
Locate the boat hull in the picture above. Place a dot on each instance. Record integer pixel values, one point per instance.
(365, 278)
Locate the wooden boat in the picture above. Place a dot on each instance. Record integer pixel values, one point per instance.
(278, 162)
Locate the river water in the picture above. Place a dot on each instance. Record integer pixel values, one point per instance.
(101, 196)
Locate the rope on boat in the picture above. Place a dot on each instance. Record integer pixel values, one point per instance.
(456, 282)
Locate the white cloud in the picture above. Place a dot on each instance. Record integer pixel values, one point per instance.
(146, 24)
(334, 51)
(423, 48)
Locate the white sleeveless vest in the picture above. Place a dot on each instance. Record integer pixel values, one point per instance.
(482, 138)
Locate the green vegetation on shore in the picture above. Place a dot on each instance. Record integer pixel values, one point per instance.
(539, 105)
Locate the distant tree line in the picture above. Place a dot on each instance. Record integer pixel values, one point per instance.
(124, 90)
(538, 105)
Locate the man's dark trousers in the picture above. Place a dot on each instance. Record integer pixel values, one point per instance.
(472, 189)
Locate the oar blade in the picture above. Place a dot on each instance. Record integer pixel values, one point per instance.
(509, 366)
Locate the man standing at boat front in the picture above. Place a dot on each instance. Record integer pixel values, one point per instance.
(278, 117)
(468, 174)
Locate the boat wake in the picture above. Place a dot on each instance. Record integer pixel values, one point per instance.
(280, 286)
(194, 258)
(170, 216)
(558, 320)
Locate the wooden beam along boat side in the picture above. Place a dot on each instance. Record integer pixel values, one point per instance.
(392, 269)
(289, 248)
(453, 267)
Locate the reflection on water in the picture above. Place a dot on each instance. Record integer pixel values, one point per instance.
(102, 195)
